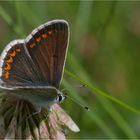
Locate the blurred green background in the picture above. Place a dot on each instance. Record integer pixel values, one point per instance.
(104, 50)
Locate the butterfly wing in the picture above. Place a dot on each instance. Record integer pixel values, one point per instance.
(40, 96)
(16, 67)
(47, 46)
(37, 60)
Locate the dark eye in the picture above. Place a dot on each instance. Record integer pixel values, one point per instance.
(59, 98)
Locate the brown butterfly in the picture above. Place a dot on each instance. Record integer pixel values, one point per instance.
(32, 68)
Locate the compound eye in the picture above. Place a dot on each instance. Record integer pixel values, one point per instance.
(60, 98)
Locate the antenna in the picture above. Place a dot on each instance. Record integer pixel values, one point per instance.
(79, 86)
(77, 102)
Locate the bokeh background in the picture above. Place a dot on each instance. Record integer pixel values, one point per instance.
(104, 50)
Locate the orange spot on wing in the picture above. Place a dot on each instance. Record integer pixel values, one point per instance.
(18, 50)
(44, 35)
(7, 75)
(8, 67)
(32, 45)
(13, 54)
(10, 60)
(38, 39)
(50, 32)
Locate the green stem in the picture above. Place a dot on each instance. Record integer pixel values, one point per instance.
(126, 106)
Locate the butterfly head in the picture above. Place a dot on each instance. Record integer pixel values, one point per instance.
(60, 97)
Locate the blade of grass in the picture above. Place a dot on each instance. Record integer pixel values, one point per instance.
(32, 18)
(19, 22)
(83, 18)
(94, 117)
(5, 16)
(104, 94)
(10, 22)
(117, 117)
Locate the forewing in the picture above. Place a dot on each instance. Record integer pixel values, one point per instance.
(47, 46)
(37, 60)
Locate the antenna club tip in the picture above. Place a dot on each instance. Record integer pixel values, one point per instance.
(87, 108)
(83, 85)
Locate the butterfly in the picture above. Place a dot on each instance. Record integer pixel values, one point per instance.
(32, 68)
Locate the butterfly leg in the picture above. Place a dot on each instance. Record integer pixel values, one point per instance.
(35, 113)
(38, 111)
